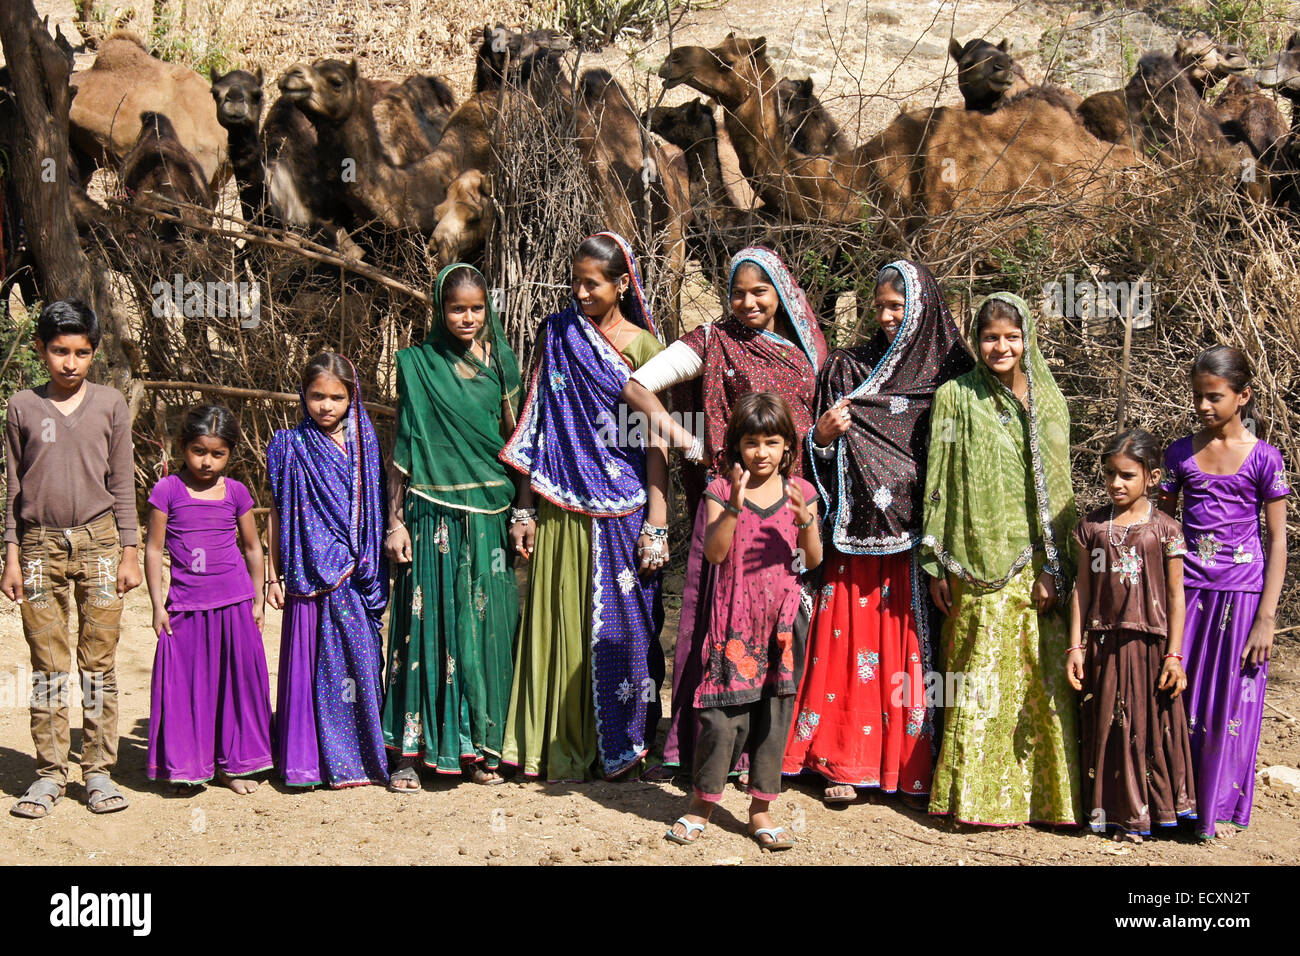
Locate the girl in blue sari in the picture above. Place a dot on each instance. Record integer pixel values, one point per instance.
(329, 574)
(588, 664)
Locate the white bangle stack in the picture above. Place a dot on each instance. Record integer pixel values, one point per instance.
(520, 515)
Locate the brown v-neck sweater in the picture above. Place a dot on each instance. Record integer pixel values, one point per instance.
(66, 470)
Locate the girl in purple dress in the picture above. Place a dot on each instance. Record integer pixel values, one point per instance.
(761, 533)
(329, 574)
(1232, 580)
(210, 707)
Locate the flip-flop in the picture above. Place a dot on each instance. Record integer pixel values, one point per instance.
(687, 840)
(406, 773)
(44, 793)
(99, 783)
(774, 841)
(659, 773)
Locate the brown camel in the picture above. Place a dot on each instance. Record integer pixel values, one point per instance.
(463, 219)
(338, 104)
(631, 172)
(989, 78)
(410, 117)
(924, 163)
(533, 60)
(124, 82)
(805, 122)
(159, 167)
(1248, 116)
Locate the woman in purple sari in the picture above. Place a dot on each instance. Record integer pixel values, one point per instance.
(329, 574)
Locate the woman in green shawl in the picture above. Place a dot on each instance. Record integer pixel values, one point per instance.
(455, 607)
(999, 512)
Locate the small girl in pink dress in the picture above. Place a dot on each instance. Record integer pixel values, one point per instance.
(761, 532)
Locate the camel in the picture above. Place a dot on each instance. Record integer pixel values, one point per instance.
(463, 219)
(692, 129)
(1248, 116)
(339, 105)
(629, 169)
(410, 117)
(1203, 63)
(805, 122)
(124, 82)
(924, 163)
(238, 96)
(533, 58)
(1281, 72)
(159, 166)
(989, 78)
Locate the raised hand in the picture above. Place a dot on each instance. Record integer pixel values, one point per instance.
(795, 502)
(739, 484)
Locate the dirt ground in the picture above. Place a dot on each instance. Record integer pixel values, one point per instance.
(452, 821)
(885, 55)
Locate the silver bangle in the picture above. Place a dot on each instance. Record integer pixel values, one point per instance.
(696, 452)
(520, 515)
(653, 531)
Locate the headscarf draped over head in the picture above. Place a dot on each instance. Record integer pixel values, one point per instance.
(873, 482)
(331, 506)
(567, 440)
(978, 524)
(635, 302)
(449, 423)
(738, 360)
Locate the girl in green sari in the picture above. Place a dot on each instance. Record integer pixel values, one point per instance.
(999, 512)
(455, 606)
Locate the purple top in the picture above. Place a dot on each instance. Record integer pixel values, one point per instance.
(1221, 515)
(208, 569)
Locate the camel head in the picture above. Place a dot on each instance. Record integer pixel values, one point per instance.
(238, 96)
(462, 218)
(728, 72)
(535, 53)
(326, 90)
(1205, 61)
(984, 71)
(684, 125)
(1281, 71)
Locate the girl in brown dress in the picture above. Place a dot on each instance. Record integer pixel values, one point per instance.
(1126, 628)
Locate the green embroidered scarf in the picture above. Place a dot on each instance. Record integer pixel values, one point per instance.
(998, 480)
(449, 414)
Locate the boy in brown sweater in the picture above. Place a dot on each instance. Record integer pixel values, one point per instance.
(70, 524)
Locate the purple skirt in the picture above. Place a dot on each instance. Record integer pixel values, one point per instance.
(210, 704)
(1225, 704)
(329, 692)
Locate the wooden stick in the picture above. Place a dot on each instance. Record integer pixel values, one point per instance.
(232, 392)
(1280, 711)
(973, 849)
(351, 265)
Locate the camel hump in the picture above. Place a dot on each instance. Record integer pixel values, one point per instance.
(129, 36)
(595, 83)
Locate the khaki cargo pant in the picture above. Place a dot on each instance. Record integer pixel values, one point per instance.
(83, 560)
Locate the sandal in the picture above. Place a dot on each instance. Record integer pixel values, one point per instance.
(659, 773)
(849, 797)
(774, 841)
(100, 794)
(40, 796)
(405, 774)
(481, 776)
(742, 782)
(687, 840)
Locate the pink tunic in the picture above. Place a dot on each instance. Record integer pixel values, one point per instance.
(748, 651)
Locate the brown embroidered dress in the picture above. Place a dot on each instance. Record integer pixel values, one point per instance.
(1136, 747)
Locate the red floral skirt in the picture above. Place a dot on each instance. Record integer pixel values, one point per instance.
(860, 715)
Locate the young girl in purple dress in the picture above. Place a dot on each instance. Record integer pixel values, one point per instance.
(1232, 580)
(761, 532)
(329, 574)
(210, 708)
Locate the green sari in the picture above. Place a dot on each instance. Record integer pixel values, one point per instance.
(999, 510)
(455, 608)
